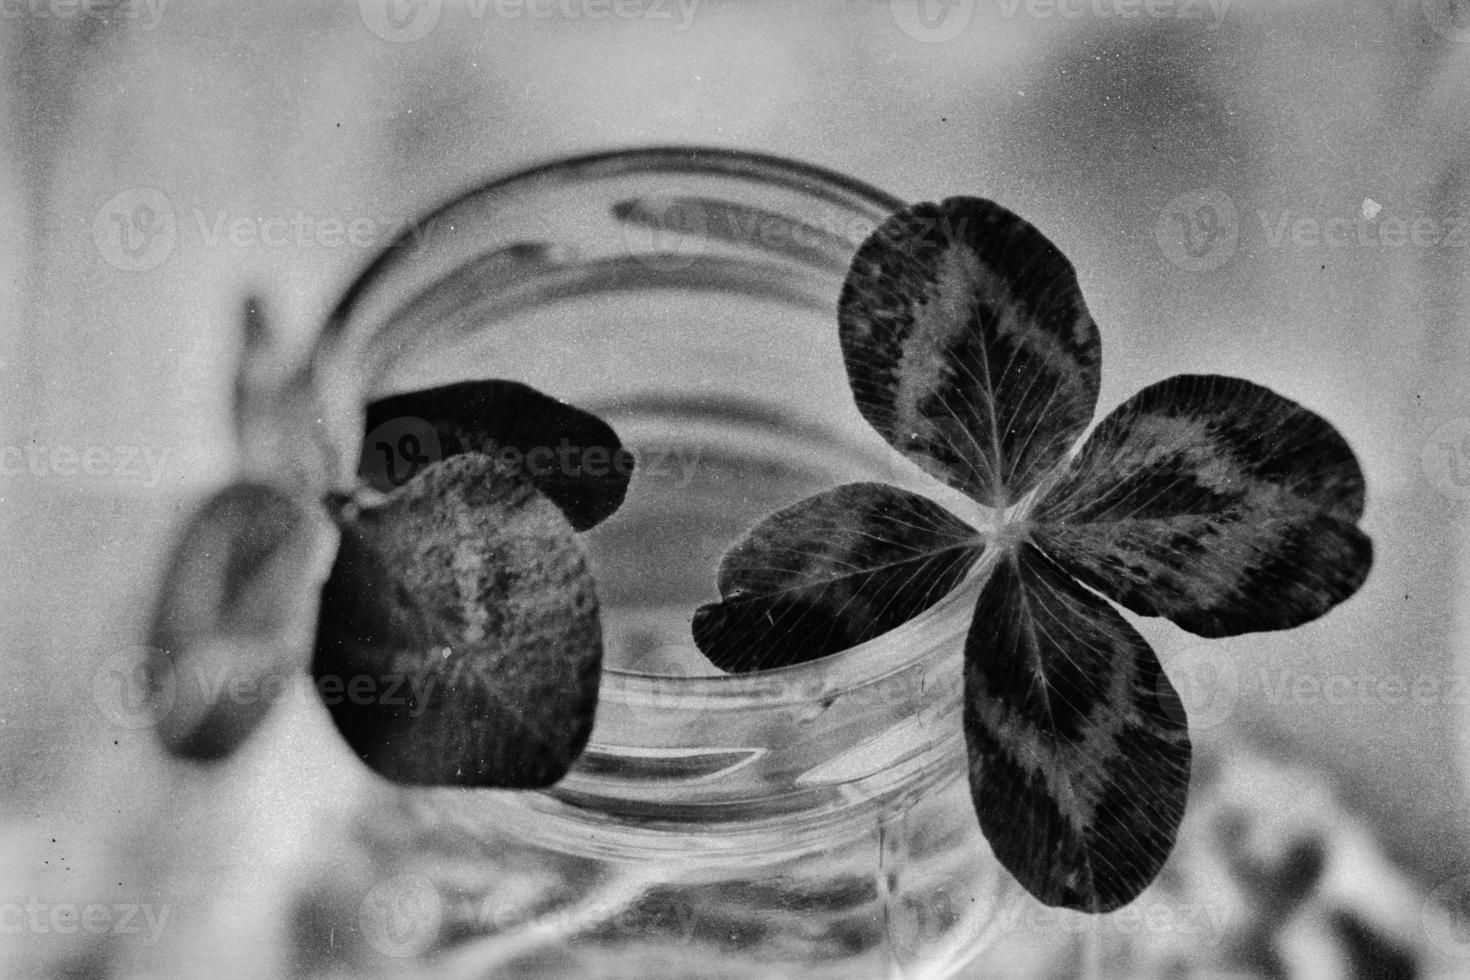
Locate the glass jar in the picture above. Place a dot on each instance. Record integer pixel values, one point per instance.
(808, 821)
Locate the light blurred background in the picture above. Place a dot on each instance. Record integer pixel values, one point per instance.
(1225, 177)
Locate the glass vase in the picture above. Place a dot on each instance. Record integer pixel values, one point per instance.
(808, 821)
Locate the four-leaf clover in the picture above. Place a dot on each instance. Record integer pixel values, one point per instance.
(1208, 500)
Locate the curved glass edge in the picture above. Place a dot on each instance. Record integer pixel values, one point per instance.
(932, 633)
(689, 161)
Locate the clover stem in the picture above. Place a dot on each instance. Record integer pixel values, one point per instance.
(1010, 535)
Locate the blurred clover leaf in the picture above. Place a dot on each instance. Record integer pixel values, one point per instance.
(1208, 500)
(455, 638)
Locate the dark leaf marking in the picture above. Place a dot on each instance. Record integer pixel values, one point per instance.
(969, 347)
(1079, 752)
(830, 572)
(463, 611)
(1214, 502)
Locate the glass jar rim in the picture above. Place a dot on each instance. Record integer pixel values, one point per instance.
(930, 634)
(813, 180)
